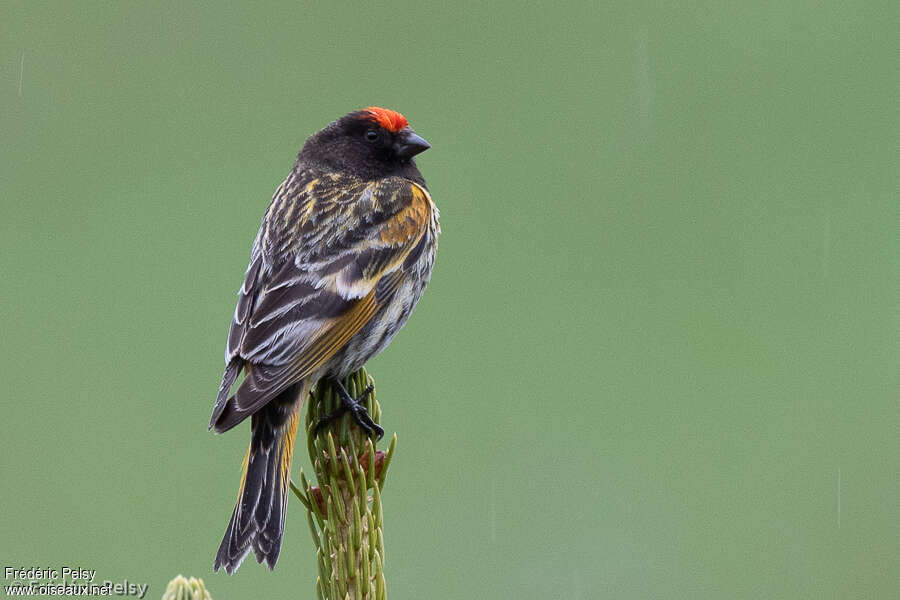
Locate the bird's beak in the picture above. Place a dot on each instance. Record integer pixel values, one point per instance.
(408, 144)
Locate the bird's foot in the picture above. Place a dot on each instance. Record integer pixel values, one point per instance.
(355, 407)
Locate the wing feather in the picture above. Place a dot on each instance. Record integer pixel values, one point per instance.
(326, 290)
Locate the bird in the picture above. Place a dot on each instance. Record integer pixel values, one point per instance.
(342, 256)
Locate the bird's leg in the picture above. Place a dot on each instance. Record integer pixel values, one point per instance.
(355, 407)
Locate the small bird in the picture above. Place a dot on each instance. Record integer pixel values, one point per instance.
(342, 256)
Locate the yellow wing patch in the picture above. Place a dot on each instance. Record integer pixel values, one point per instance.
(410, 222)
(334, 338)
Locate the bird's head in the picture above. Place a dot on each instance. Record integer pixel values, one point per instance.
(372, 142)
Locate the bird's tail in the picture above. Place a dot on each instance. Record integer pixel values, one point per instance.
(258, 518)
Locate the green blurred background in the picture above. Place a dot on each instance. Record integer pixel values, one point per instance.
(659, 356)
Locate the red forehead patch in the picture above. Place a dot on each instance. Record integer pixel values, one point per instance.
(387, 118)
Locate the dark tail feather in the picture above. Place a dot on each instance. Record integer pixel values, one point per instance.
(258, 518)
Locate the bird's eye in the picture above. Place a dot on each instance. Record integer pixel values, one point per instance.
(371, 135)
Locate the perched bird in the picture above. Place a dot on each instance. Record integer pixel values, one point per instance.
(343, 254)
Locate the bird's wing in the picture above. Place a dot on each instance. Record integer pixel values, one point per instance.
(351, 257)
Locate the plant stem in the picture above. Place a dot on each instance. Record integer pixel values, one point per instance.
(182, 588)
(344, 509)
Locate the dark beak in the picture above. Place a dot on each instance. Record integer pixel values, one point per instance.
(408, 144)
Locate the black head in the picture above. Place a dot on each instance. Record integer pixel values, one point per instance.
(369, 143)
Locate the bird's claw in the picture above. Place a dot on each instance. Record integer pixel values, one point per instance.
(355, 407)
